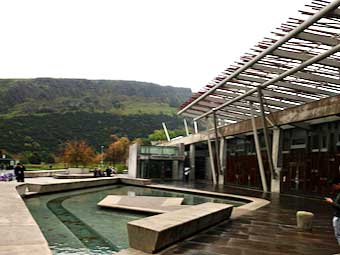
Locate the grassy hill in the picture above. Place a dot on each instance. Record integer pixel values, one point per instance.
(41, 114)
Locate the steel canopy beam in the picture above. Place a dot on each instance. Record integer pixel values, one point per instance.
(302, 75)
(300, 28)
(304, 56)
(327, 40)
(278, 78)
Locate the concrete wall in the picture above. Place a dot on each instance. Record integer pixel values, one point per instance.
(44, 173)
(132, 166)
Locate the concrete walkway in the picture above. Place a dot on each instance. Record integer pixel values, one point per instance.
(270, 230)
(19, 233)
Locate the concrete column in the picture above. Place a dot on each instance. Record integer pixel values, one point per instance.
(192, 162)
(133, 162)
(223, 160)
(275, 183)
(175, 174)
(180, 170)
(208, 172)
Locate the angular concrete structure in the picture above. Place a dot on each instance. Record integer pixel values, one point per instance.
(154, 233)
(143, 203)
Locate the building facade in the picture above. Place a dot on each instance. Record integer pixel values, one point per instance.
(156, 162)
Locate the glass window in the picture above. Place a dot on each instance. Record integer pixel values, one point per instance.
(324, 141)
(159, 150)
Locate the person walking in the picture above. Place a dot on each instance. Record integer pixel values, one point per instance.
(19, 172)
(335, 203)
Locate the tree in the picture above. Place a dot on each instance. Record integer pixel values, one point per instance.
(34, 158)
(78, 153)
(118, 151)
(159, 134)
(138, 141)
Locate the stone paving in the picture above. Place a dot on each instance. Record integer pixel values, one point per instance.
(18, 231)
(269, 230)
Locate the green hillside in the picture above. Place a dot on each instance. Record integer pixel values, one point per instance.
(41, 114)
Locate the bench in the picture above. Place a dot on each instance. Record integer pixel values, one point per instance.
(154, 233)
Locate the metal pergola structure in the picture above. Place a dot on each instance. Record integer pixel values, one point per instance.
(299, 64)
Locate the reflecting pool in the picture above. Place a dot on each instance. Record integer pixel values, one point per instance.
(72, 223)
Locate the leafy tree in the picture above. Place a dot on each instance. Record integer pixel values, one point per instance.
(34, 158)
(138, 141)
(24, 156)
(78, 153)
(50, 159)
(159, 134)
(118, 151)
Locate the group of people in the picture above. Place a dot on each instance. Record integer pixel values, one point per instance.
(97, 172)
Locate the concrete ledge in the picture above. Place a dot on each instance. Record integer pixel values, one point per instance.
(73, 176)
(154, 233)
(44, 173)
(71, 184)
(135, 181)
(251, 203)
(64, 186)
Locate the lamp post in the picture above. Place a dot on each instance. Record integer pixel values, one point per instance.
(102, 153)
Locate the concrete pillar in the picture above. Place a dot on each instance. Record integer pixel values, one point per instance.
(175, 173)
(208, 172)
(180, 170)
(133, 162)
(275, 183)
(180, 164)
(192, 162)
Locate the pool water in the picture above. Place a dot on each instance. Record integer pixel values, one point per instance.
(72, 223)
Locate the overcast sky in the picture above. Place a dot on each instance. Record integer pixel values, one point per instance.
(170, 42)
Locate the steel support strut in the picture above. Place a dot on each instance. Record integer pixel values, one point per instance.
(258, 150)
(217, 148)
(211, 157)
(266, 134)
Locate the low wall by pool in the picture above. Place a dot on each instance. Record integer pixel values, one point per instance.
(68, 185)
(83, 184)
(44, 173)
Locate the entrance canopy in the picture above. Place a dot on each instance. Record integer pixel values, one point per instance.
(298, 64)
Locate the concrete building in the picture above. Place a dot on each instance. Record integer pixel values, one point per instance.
(156, 162)
(272, 119)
